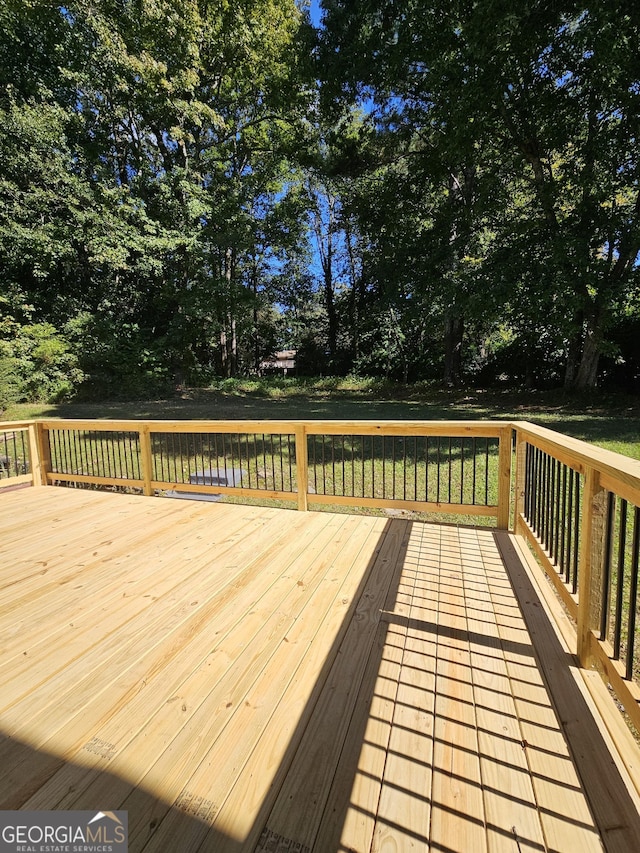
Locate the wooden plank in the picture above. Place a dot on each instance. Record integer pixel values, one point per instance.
(511, 811)
(457, 812)
(54, 477)
(567, 819)
(168, 648)
(350, 806)
(627, 691)
(301, 802)
(78, 679)
(193, 681)
(628, 492)
(520, 481)
(419, 506)
(43, 453)
(67, 547)
(18, 480)
(457, 428)
(89, 719)
(624, 749)
(404, 809)
(287, 684)
(28, 509)
(7, 426)
(557, 787)
(234, 491)
(108, 569)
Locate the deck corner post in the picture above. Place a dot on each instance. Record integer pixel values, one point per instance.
(302, 466)
(504, 478)
(146, 460)
(590, 562)
(40, 453)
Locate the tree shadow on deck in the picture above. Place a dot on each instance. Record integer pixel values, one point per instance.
(403, 723)
(385, 728)
(614, 810)
(43, 781)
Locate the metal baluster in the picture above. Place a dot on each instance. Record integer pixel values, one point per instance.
(633, 594)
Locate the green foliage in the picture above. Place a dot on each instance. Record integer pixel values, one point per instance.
(11, 390)
(517, 130)
(38, 364)
(175, 180)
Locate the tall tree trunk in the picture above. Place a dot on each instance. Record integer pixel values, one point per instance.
(453, 334)
(332, 317)
(587, 374)
(574, 350)
(584, 354)
(228, 336)
(256, 336)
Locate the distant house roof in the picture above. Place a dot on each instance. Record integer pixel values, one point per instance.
(283, 360)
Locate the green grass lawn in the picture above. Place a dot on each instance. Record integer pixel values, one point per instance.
(608, 420)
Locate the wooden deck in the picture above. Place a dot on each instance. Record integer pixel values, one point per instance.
(250, 679)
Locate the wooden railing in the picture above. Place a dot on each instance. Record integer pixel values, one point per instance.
(455, 467)
(577, 506)
(19, 454)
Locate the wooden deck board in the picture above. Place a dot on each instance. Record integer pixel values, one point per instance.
(244, 678)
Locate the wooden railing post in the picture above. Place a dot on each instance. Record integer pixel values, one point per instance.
(146, 460)
(40, 454)
(504, 479)
(590, 561)
(302, 466)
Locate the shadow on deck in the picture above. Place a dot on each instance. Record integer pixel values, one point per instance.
(241, 679)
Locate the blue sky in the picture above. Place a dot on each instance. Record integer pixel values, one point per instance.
(315, 12)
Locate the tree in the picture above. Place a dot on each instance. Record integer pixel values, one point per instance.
(168, 126)
(545, 99)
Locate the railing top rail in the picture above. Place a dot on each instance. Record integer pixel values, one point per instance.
(5, 426)
(583, 455)
(434, 427)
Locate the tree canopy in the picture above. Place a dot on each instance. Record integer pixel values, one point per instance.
(424, 190)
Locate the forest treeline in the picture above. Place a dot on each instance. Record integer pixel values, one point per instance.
(441, 190)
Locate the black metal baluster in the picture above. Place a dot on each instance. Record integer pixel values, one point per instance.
(384, 467)
(353, 466)
(547, 500)
(563, 520)
(633, 594)
(556, 511)
(486, 472)
(344, 480)
(617, 614)
(570, 514)
(77, 455)
(606, 565)
(393, 467)
(576, 536)
(426, 468)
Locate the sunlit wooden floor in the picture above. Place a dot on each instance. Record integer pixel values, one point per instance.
(241, 678)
